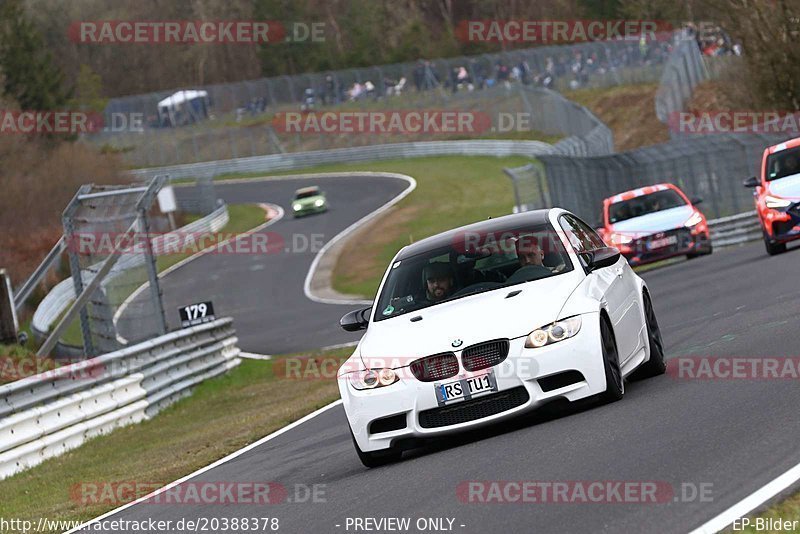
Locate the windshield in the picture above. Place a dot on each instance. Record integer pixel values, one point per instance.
(782, 164)
(306, 194)
(471, 264)
(638, 206)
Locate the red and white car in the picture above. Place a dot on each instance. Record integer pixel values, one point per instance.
(777, 195)
(654, 223)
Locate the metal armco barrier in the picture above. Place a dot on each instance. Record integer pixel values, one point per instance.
(735, 229)
(63, 293)
(299, 160)
(47, 414)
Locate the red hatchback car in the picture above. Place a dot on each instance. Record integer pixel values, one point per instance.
(654, 223)
(777, 195)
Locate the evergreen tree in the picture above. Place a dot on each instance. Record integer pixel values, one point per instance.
(29, 74)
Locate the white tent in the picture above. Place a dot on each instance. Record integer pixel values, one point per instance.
(183, 107)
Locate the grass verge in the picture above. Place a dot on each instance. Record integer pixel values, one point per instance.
(628, 110)
(787, 510)
(223, 415)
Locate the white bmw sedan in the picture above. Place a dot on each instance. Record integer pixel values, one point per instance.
(484, 322)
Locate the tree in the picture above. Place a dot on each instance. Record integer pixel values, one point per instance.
(29, 74)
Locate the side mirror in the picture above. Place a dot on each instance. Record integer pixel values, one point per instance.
(697, 200)
(355, 320)
(602, 257)
(752, 182)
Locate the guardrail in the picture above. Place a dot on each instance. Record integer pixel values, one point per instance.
(298, 160)
(735, 229)
(62, 294)
(45, 415)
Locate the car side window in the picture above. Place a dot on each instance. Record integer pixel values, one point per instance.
(580, 235)
(571, 234)
(588, 234)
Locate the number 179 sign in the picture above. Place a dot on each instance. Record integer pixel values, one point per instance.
(194, 314)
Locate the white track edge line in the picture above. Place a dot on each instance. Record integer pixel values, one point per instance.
(217, 463)
(412, 184)
(344, 233)
(254, 356)
(749, 503)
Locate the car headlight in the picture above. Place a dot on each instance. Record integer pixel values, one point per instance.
(620, 239)
(373, 378)
(553, 333)
(319, 202)
(694, 220)
(297, 207)
(776, 202)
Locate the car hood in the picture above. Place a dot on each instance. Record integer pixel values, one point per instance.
(655, 222)
(787, 187)
(396, 342)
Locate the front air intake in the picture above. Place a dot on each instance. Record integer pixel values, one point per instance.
(436, 367)
(484, 355)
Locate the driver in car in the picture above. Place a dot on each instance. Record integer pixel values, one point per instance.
(529, 254)
(790, 166)
(438, 281)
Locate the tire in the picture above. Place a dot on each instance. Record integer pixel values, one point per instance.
(615, 383)
(655, 365)
(772, 247)
(693, 255)
(377, 458)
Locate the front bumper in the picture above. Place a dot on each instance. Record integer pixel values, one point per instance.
(639, 253)
(519, 384)
(310, 210)
(784, 226)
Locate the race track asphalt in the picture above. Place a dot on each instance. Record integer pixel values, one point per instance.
(264, 292)
(729, 437)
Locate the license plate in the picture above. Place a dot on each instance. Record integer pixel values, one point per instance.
(465, 388)
(661, 243)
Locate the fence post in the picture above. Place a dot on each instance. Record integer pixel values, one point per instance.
(8, 314)
(75, 268)
(152, 270)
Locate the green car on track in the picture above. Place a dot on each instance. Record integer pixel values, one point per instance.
(309, 200)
